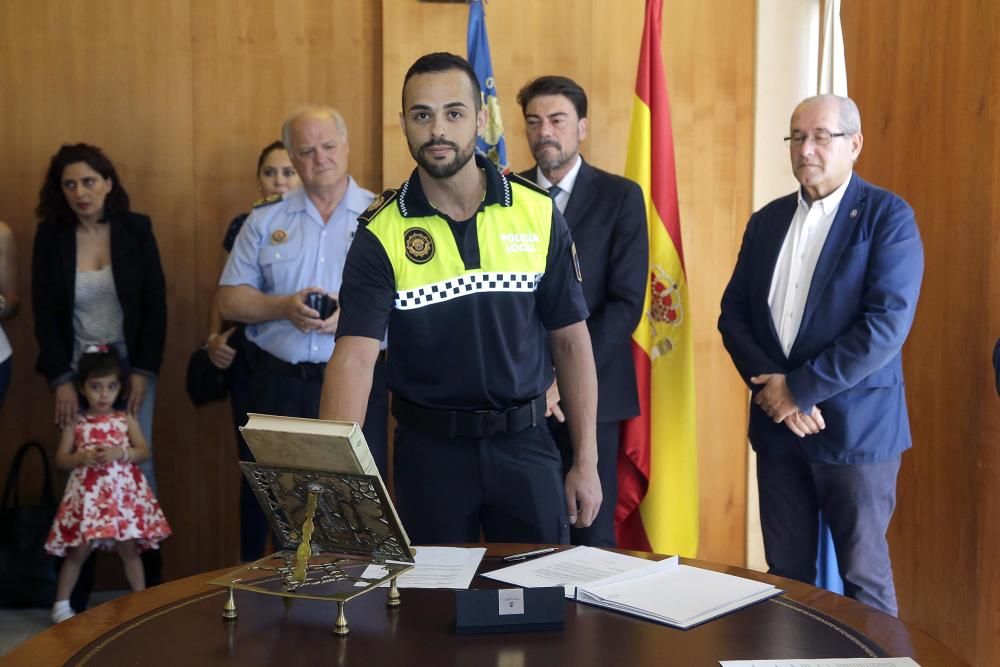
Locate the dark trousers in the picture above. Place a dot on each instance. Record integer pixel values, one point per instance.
(277, 392)
(601, 533)
(253, 522)
(509, 487)
(5, 373)
(857, 502)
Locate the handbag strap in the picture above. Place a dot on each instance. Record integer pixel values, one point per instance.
(11, 488)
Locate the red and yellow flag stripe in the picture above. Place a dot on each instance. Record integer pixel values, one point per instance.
(657, 506)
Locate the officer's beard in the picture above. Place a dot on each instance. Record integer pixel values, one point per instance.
(448, 169)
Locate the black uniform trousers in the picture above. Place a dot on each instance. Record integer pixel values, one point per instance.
(294, 390)
(601, 533)
(506, 488)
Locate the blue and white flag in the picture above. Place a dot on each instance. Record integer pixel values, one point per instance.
(491, 143)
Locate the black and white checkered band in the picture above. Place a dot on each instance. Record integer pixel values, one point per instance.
(402, 198)
(472, 283)
(506, 190)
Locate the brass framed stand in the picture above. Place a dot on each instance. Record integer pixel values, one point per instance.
(332, 526)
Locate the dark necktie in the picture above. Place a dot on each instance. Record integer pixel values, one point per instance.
(554, 191)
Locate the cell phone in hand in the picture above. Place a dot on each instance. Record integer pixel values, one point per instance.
(324, 304)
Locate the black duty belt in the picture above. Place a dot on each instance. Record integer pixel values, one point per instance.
(306, 371)
(469, 424)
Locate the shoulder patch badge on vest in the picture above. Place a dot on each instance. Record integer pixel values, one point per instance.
(380, 202)
(527, 182)
(419, 245)
(576, 265)
(267, 201)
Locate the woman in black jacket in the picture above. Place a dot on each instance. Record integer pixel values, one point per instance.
(96, 279)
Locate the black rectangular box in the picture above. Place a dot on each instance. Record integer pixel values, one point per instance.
(539, 609)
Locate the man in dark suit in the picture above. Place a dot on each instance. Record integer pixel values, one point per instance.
(814, 317)
(607, 217)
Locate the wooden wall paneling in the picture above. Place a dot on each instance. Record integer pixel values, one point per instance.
(988, 621)
(708, 53)
(708, 56)
(917, 72)
(107, 73)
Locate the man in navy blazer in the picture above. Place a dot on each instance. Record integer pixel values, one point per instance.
(607, 217)
(814, 317)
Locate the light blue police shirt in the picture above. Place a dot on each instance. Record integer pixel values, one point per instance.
(285, 247)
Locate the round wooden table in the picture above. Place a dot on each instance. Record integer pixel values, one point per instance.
(180, 623)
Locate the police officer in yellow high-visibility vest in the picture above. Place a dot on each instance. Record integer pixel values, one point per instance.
(475, 274)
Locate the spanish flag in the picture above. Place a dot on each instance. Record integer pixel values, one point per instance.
(657, 506)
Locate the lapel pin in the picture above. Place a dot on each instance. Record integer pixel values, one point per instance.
(854, 212)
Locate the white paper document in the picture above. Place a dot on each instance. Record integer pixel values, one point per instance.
(436, 567)
(568, 569)
(823, 662)
(674, 594)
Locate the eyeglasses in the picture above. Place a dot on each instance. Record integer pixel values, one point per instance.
(819, 137)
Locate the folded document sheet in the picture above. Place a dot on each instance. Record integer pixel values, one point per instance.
(674, 594)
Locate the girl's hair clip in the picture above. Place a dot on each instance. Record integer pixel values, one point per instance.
(96, 349)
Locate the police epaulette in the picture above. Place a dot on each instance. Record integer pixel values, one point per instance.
(521, 180)
(379, 203)
(267, 201)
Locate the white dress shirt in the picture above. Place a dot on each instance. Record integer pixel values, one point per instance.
(565, 185)
(796, 264)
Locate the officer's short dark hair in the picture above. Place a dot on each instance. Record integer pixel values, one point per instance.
(554, 85)
(442, 62)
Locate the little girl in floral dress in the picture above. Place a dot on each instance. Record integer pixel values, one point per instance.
(107, 503)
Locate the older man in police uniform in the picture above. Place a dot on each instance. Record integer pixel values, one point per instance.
(475, 271)
(290, 247)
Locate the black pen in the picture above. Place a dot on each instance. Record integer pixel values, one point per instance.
(528, 554)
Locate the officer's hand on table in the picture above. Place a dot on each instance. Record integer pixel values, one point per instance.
(583, 494)
(552, 408)
(302, 317)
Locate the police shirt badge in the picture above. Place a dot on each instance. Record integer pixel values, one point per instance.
(576, 265)
(278, 236)
(419, 245)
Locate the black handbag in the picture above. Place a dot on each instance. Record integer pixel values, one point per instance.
(205, 382)
(27, 573)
